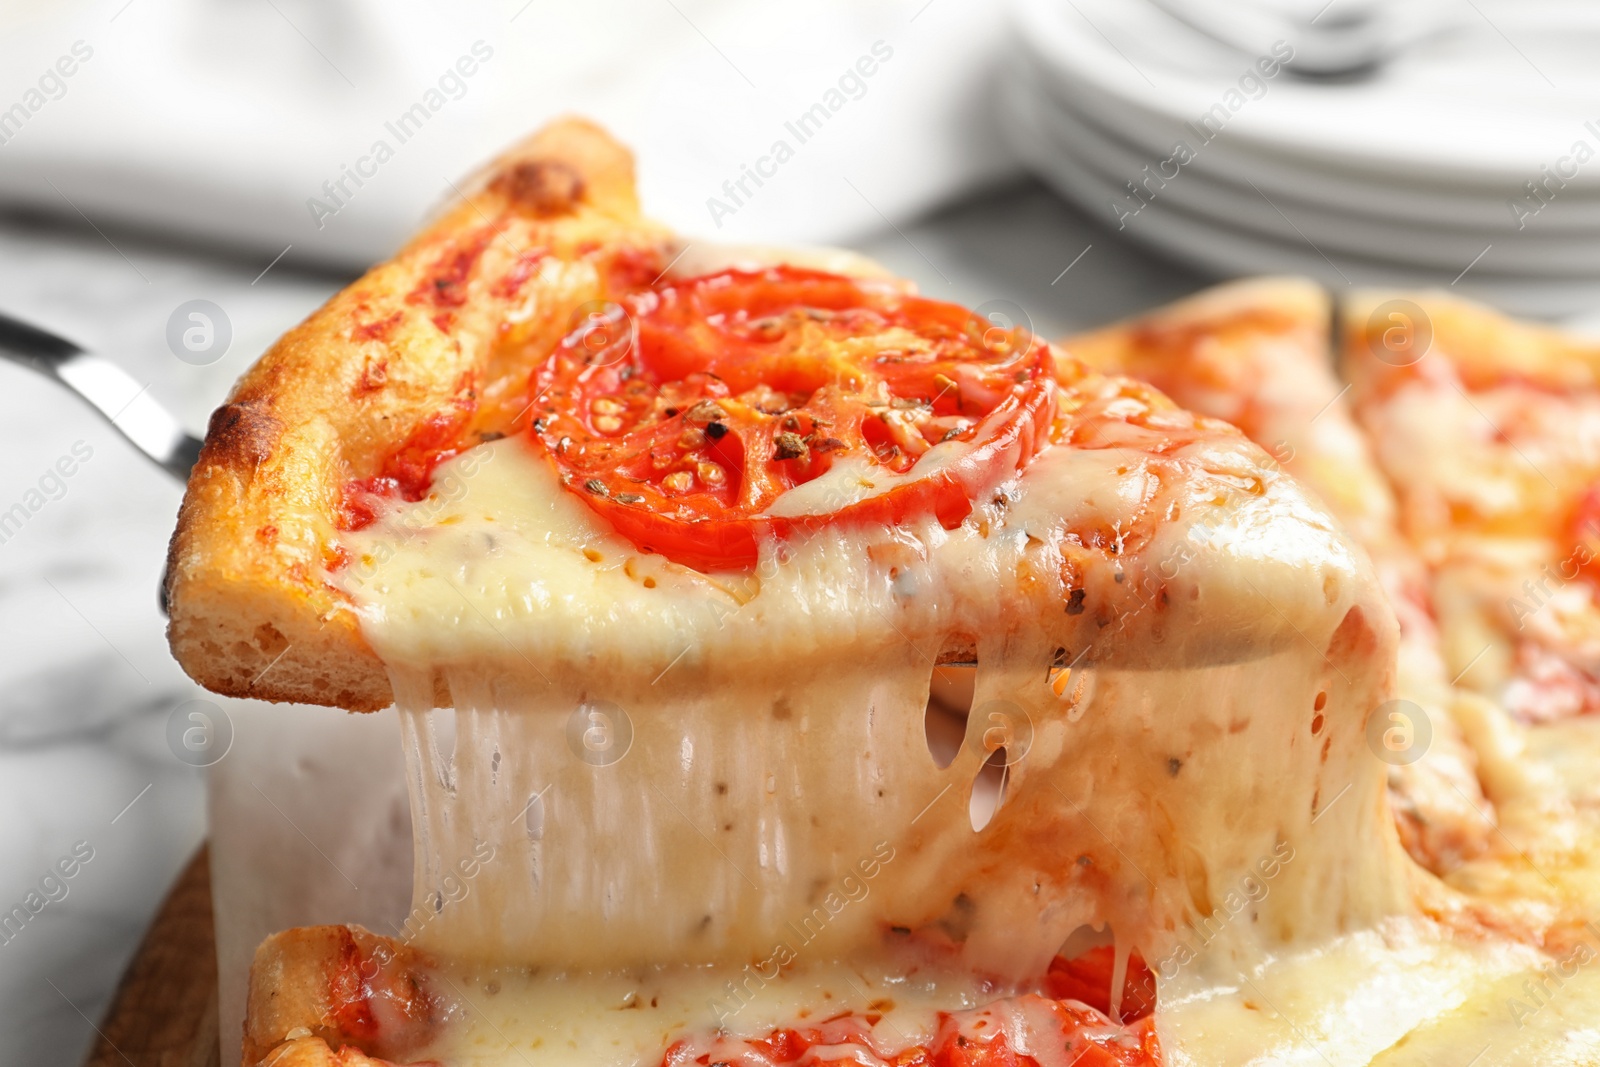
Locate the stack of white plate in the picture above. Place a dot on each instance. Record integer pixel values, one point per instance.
(1464, 154)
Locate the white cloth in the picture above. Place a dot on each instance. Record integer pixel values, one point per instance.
(223, 119)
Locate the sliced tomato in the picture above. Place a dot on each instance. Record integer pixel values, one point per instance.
(683, 413)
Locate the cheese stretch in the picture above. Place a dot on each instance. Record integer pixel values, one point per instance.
(722, 783)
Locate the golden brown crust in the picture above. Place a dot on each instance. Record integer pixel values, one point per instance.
(529, 244)
(1484, 345)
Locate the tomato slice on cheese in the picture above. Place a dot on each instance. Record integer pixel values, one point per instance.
(689, 410)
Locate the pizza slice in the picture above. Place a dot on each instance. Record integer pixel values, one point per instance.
(1490, 431)
(658, 552)
(1257, 353)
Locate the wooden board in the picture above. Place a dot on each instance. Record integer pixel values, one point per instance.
(165, 1010)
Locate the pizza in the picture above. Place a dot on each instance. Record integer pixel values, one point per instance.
(1256, 354)
(1499, 494)
(1459, 522)
(796, 669)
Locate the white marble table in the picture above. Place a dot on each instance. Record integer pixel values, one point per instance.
(86, 683)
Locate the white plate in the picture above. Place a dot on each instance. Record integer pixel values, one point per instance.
(1286, 215)
(1476, 111)
(1407, 202)
(1225, 249)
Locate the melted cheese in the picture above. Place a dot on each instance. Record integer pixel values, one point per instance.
(1341, 1003)
(680, 777)
(625, 1018)
(777, 726)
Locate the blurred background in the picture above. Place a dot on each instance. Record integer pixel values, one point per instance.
(1077, 159)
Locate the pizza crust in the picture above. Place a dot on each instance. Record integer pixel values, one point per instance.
(1482, 343)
